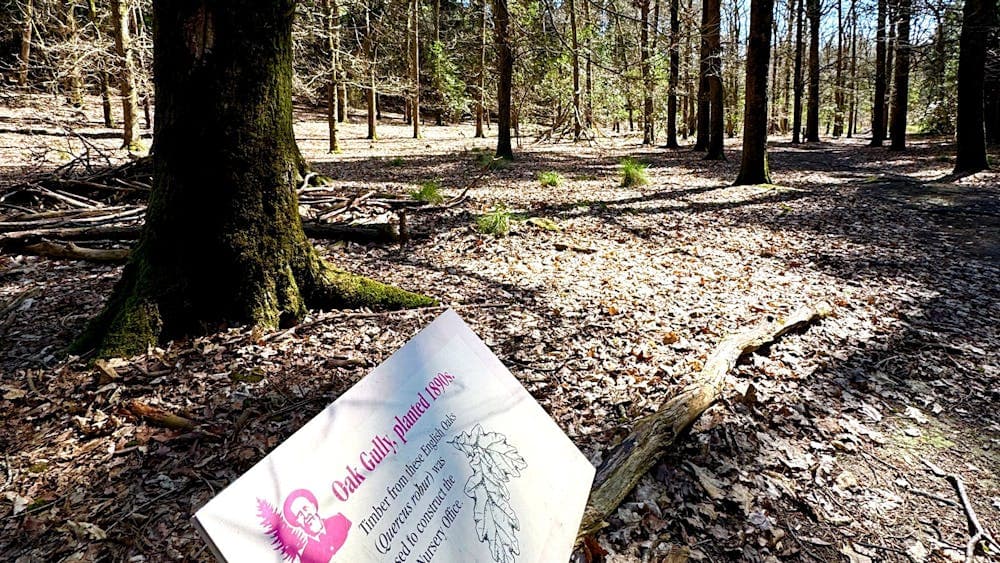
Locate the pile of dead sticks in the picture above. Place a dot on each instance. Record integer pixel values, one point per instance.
(94, 217)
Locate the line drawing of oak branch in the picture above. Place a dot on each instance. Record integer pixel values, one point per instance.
(494, 463)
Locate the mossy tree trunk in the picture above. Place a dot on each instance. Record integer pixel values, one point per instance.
(223, 242)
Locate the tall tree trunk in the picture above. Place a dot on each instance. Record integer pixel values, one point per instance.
(897, 123)
(852, 111)
(575, 55)
(704, 104)
(838, 80)
(126, 74)
(978, 20)
(102, 72)
(27, 26)
(889, 66)
(647, 74)
(812, 116)
(798, 82)
(223, 241)
(787, 57)
(505, 68)
(415, 68)
(372, 54)
(675, 57)
(753, 166)
(74, 78)
(588, 115)
(717, 125)
(331, 13)
(878, 104)
(481, 98)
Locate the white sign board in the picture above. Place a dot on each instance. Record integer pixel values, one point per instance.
(439, 454)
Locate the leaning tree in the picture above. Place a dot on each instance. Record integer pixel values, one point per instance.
(223, 241)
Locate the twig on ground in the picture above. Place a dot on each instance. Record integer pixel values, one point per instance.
(978, 533)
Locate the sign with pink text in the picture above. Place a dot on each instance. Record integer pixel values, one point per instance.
(439, 454)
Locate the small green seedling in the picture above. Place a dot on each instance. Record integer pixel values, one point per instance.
(550, 178)
(495, 222)
(429, 192)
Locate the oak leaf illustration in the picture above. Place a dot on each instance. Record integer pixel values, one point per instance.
(494, 462)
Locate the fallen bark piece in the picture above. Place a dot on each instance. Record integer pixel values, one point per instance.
(69, 250)
(159, 416)
(652, 435)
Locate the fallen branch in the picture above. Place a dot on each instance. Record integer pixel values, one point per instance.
(159, 416)
(652, 435)
(69, 250)
(978, 533)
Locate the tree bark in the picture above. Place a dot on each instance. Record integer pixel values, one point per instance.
(798, 82)
(415, 68)
(505, 66)
(704, 106)
(653, 435)
(717, 124)
(481, 98)
(575, 57)
(753, 165)
(27, 26)
(897, 121)
(126, 76)
(673, 74)
(978, 20)
(331, 15)
(223, 242)
(838, 77)
(852, 110)
(646, 73)
(878, 103)
(812, 115)
(372, 54)
(889, 53)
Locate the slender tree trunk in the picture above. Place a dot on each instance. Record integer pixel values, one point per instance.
(704, 105)
(897, 125)
(675, 57)
(481, 98)
(505, 67)
(74, 79)
(798, 83)
(753, 165)
(852, 112)
(878, 104)
(787, 57)
(27, 26)
(838, 80)
(126, 74)
(647, 75)
(978, 20)
(889, 67)
(717, 125)
(575, 55)
(812, 116)
(102, 73)
(331, 13)
(372, 53)
(588, 115)
(415, 68)
(223, 242)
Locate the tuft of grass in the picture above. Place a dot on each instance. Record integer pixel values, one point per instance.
(396, 161)
(486, 159)
(495, 222)
(550, 178)
(634, 173)
(429, 192)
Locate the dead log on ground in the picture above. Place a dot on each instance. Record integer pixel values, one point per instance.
(69, 250)
(654, 434)
(159, 416)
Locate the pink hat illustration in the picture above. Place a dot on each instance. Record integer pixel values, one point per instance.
(299, 533)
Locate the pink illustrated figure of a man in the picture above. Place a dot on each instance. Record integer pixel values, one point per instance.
(324, 536)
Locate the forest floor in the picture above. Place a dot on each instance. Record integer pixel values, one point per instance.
(815, 454)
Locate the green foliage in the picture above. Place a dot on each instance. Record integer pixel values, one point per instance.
(486, 159)
(429, 192)
(396, 161)
(550, 178)
(634, 173)
(444, 78)
(495, 222)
